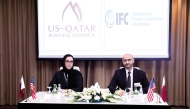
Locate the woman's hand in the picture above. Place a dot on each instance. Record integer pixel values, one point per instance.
(69, 90)
(64, 91)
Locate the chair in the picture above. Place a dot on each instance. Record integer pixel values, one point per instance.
(74, 67)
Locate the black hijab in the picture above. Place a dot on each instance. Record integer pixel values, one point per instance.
(64, 67)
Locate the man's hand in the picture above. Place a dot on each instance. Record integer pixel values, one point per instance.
(120, 92)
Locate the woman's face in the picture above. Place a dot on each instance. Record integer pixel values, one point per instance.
(69, 62)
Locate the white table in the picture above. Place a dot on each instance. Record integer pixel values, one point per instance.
(64, 101)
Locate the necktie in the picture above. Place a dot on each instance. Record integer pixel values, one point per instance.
(128, 81)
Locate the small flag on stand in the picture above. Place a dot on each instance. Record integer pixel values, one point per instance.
(22, 88)
(152, 88)
(32, 87)
(164, 92)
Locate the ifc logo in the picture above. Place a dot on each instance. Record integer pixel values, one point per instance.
(109, 19)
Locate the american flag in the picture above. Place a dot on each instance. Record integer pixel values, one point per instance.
(151, 90)
(32, 87)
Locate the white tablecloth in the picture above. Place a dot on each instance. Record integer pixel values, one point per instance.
(65, 99)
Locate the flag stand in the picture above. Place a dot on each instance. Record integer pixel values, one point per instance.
(27, 100)
(158, 99)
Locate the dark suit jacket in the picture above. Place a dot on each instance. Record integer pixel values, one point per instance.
(75, 80)
(119, 79)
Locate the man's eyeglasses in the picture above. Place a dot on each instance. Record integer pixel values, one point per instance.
(125, 60)
(69, 61)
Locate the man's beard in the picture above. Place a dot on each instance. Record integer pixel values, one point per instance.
(128, 66)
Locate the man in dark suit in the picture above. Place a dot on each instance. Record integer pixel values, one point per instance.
(124, 80)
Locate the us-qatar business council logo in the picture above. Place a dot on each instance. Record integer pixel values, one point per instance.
(75, 8)
(67, 28)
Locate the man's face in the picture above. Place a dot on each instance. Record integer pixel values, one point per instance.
(69, 63)
(128, 61)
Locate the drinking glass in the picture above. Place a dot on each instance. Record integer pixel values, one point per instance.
(49, 87)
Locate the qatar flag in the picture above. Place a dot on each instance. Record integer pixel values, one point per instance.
(22, 87)
(164, 92)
